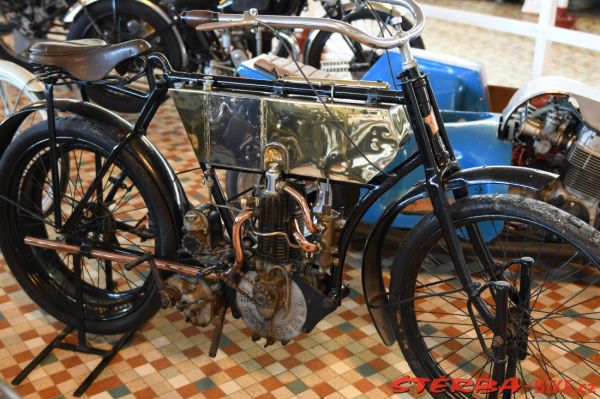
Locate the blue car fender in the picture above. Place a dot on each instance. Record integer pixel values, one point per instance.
(473, 137)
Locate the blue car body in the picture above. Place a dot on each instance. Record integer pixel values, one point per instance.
(461, 92)
(459, 85)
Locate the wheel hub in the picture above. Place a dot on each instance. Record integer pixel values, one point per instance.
(98, 219)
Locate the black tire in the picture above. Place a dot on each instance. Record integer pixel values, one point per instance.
(101, 13)
(439, 343)
(116, 300)
(317, 47)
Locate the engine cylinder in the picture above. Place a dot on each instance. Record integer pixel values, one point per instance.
(583, 170)
(273, 216)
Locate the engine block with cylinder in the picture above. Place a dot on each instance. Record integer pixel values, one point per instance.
(553, 136)
(274, 269)
(283, 277)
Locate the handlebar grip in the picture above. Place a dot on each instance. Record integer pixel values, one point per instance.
(195, 18)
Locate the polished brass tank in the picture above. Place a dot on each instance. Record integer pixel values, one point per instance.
(233, 130)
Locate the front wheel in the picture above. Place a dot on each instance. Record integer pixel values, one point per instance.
(126, 213)
(553, 308)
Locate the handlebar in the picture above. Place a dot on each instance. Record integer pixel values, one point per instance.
(207, 20)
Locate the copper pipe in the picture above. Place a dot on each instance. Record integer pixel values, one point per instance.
(304, 208)
(432, 123)
(237, 237)
(302, 241)
(102, 254)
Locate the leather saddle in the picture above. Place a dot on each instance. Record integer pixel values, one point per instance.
(86, 59)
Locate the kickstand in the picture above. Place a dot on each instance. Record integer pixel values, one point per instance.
(82, 345)
(216, 335)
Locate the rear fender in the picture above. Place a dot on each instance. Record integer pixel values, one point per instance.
(158, 167)
(372, 272)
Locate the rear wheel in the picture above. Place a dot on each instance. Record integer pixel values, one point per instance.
(554, 310)
(128, 213)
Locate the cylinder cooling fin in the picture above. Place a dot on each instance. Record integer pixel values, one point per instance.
(273, 215)
(583, 171)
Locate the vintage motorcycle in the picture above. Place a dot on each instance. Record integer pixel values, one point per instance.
(484, 286)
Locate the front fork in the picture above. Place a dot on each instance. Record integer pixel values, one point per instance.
(439, 162)
(511, 324)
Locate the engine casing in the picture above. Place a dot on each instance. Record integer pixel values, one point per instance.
(583, 165)
(284, 324)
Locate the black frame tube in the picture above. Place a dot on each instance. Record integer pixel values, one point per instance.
(56, 191)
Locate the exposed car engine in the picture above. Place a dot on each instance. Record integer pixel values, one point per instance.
(554, 137)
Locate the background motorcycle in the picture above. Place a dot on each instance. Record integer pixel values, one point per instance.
(553, 125)
(333, 52)
(24, 22)
(212, 52)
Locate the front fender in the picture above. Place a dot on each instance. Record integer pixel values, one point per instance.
(372, 271)
(161, 172)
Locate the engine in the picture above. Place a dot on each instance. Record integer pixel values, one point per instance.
(274, 270)
(288, 270)
(554, 137)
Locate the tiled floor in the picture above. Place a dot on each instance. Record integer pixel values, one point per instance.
(342, 358)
